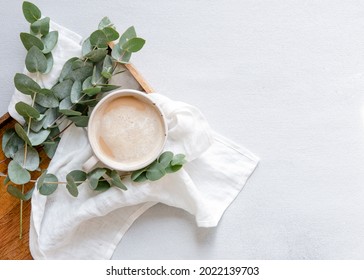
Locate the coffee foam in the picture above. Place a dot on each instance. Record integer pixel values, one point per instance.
(129, 130)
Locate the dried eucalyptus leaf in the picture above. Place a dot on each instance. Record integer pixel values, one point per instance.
(37, 138)
(62, 89)
(17, 173)
(31, 12)
(40, 26)
(111, 34)
(96, 55)
(22, 134)
(35, 60)
(105, 22)
(76, 94)
(127, 35)
(50, 41)
(26, 110)
(31, 159)
(47, 184)
(98, 39)
(30, 40)
(25, 84)
(67, 68)
(94, 177)
(133, 45)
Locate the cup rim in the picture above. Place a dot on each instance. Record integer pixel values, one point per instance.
(90, 132)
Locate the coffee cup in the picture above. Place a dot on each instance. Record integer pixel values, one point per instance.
(127, 131)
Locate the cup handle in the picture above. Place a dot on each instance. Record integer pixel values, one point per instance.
(90, 163)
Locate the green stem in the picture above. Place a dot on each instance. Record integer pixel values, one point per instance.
(21, 216)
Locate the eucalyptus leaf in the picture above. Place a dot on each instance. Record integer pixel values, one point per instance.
(6, 180)
(51, 148)
(22, 134)
(80, 74)
(173, 168)
(67, 68)
(110, 33)
(25, 84)
(102, 186)
(47, 99)
(94, 177)
(31, 159)
(16, 192)
(155, 171)
(62, 89)
(116, 180)
(87, 83)
(50, 41)
(133, 45)
(92, 91)
(30, 40)
(78, 63)
(86, 46)
(37, 125)
(75, 178)
(37, 138)
(141, 178)
(50, 62)
(96, 55)
(11, 143)
(96, 76)
(39, 107)
(107, 67)
(165, 158)
(178, 159)
(50, 116)
(40, 26)
(65, 107)
(31, 12)
(105, 22)
(98, 39)
(80, 121)
(135, 175)
(72, 188)
(26, 110)
(47, 184)
(120, 55)
(127, 35)
(35, 60)
(106, 88)
(17, 173)
(76, 94)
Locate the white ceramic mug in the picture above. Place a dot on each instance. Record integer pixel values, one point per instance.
(127, 131)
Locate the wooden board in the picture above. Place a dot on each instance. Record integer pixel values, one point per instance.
(11, 246)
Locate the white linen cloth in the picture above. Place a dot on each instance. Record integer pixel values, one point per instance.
(91, 225)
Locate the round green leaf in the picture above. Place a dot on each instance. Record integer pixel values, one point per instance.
(25, 84)
(17, 173)
(35, 60)
(127, 35)
(66, 69)
(47, 99)
(120, 55)
(31, 12)
(11, 143)
(22, 134)
(94, 177)
(86, 46)
(96, 55)
(133, 45)
(47, 184)
(50, 41)
(105, 22)
(155, 171)
(50, 62)
(26, 110)
(62, 89)
(111, 34)
(178, 159)
(30, 40)
(116, 180)
(76, 94)
(40, 26)
(98, 39)
(174, 168)
(102, 186)
(165, 158)
(78, 176)
(138, 175)
(31, 159)
(37, 138)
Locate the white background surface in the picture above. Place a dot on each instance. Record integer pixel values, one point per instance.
(285, 79)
